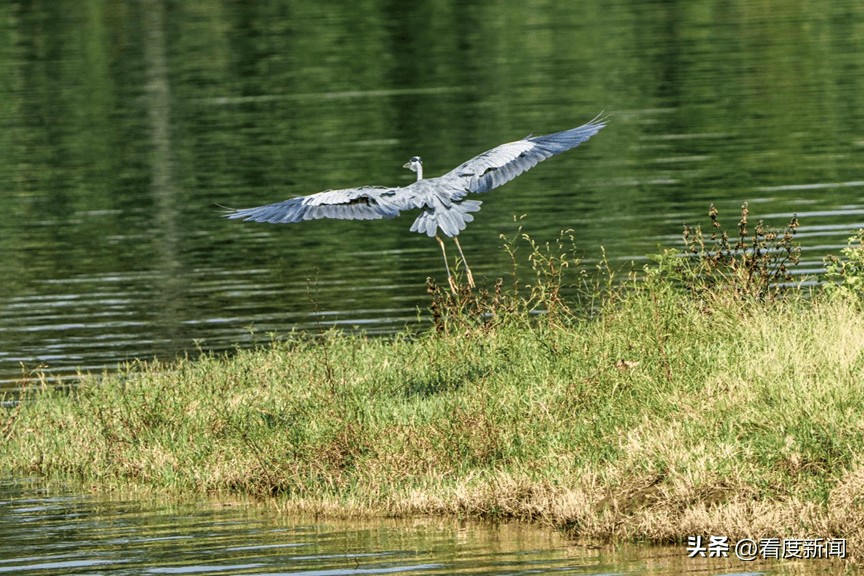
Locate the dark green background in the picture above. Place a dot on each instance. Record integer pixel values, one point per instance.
(124, 124)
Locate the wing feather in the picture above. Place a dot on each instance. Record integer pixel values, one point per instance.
(507, 161)
(366, 203)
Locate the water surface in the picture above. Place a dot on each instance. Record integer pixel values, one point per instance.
(50, 531)
(126, 125)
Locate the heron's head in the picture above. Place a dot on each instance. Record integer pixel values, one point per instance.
(415, 165)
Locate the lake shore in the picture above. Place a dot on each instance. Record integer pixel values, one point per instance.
(663, 413)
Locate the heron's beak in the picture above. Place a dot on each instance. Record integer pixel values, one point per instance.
(407, 165)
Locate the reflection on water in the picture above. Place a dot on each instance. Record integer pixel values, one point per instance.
(125, 127)
(53, 532)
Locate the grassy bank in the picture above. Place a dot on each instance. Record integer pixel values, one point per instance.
(696, 398)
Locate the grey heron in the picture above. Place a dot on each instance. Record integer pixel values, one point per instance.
(441, 200)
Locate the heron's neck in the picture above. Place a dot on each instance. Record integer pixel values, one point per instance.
(419, 173)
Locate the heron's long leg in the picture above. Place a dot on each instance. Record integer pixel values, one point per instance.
(447, 266)
(465, 262)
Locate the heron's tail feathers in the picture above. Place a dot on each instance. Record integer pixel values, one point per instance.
(451, 219)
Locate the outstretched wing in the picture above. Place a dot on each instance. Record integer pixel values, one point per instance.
(502, 164)
(366, 203)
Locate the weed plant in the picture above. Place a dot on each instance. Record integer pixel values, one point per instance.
(844, 277)
(631, 411)
(751, 266)
(538, 301)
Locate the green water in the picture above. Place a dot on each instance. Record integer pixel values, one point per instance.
(126, 124)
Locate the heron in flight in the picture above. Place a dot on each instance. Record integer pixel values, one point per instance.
(441, 200)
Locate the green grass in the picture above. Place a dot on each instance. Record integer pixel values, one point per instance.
(653, 410)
